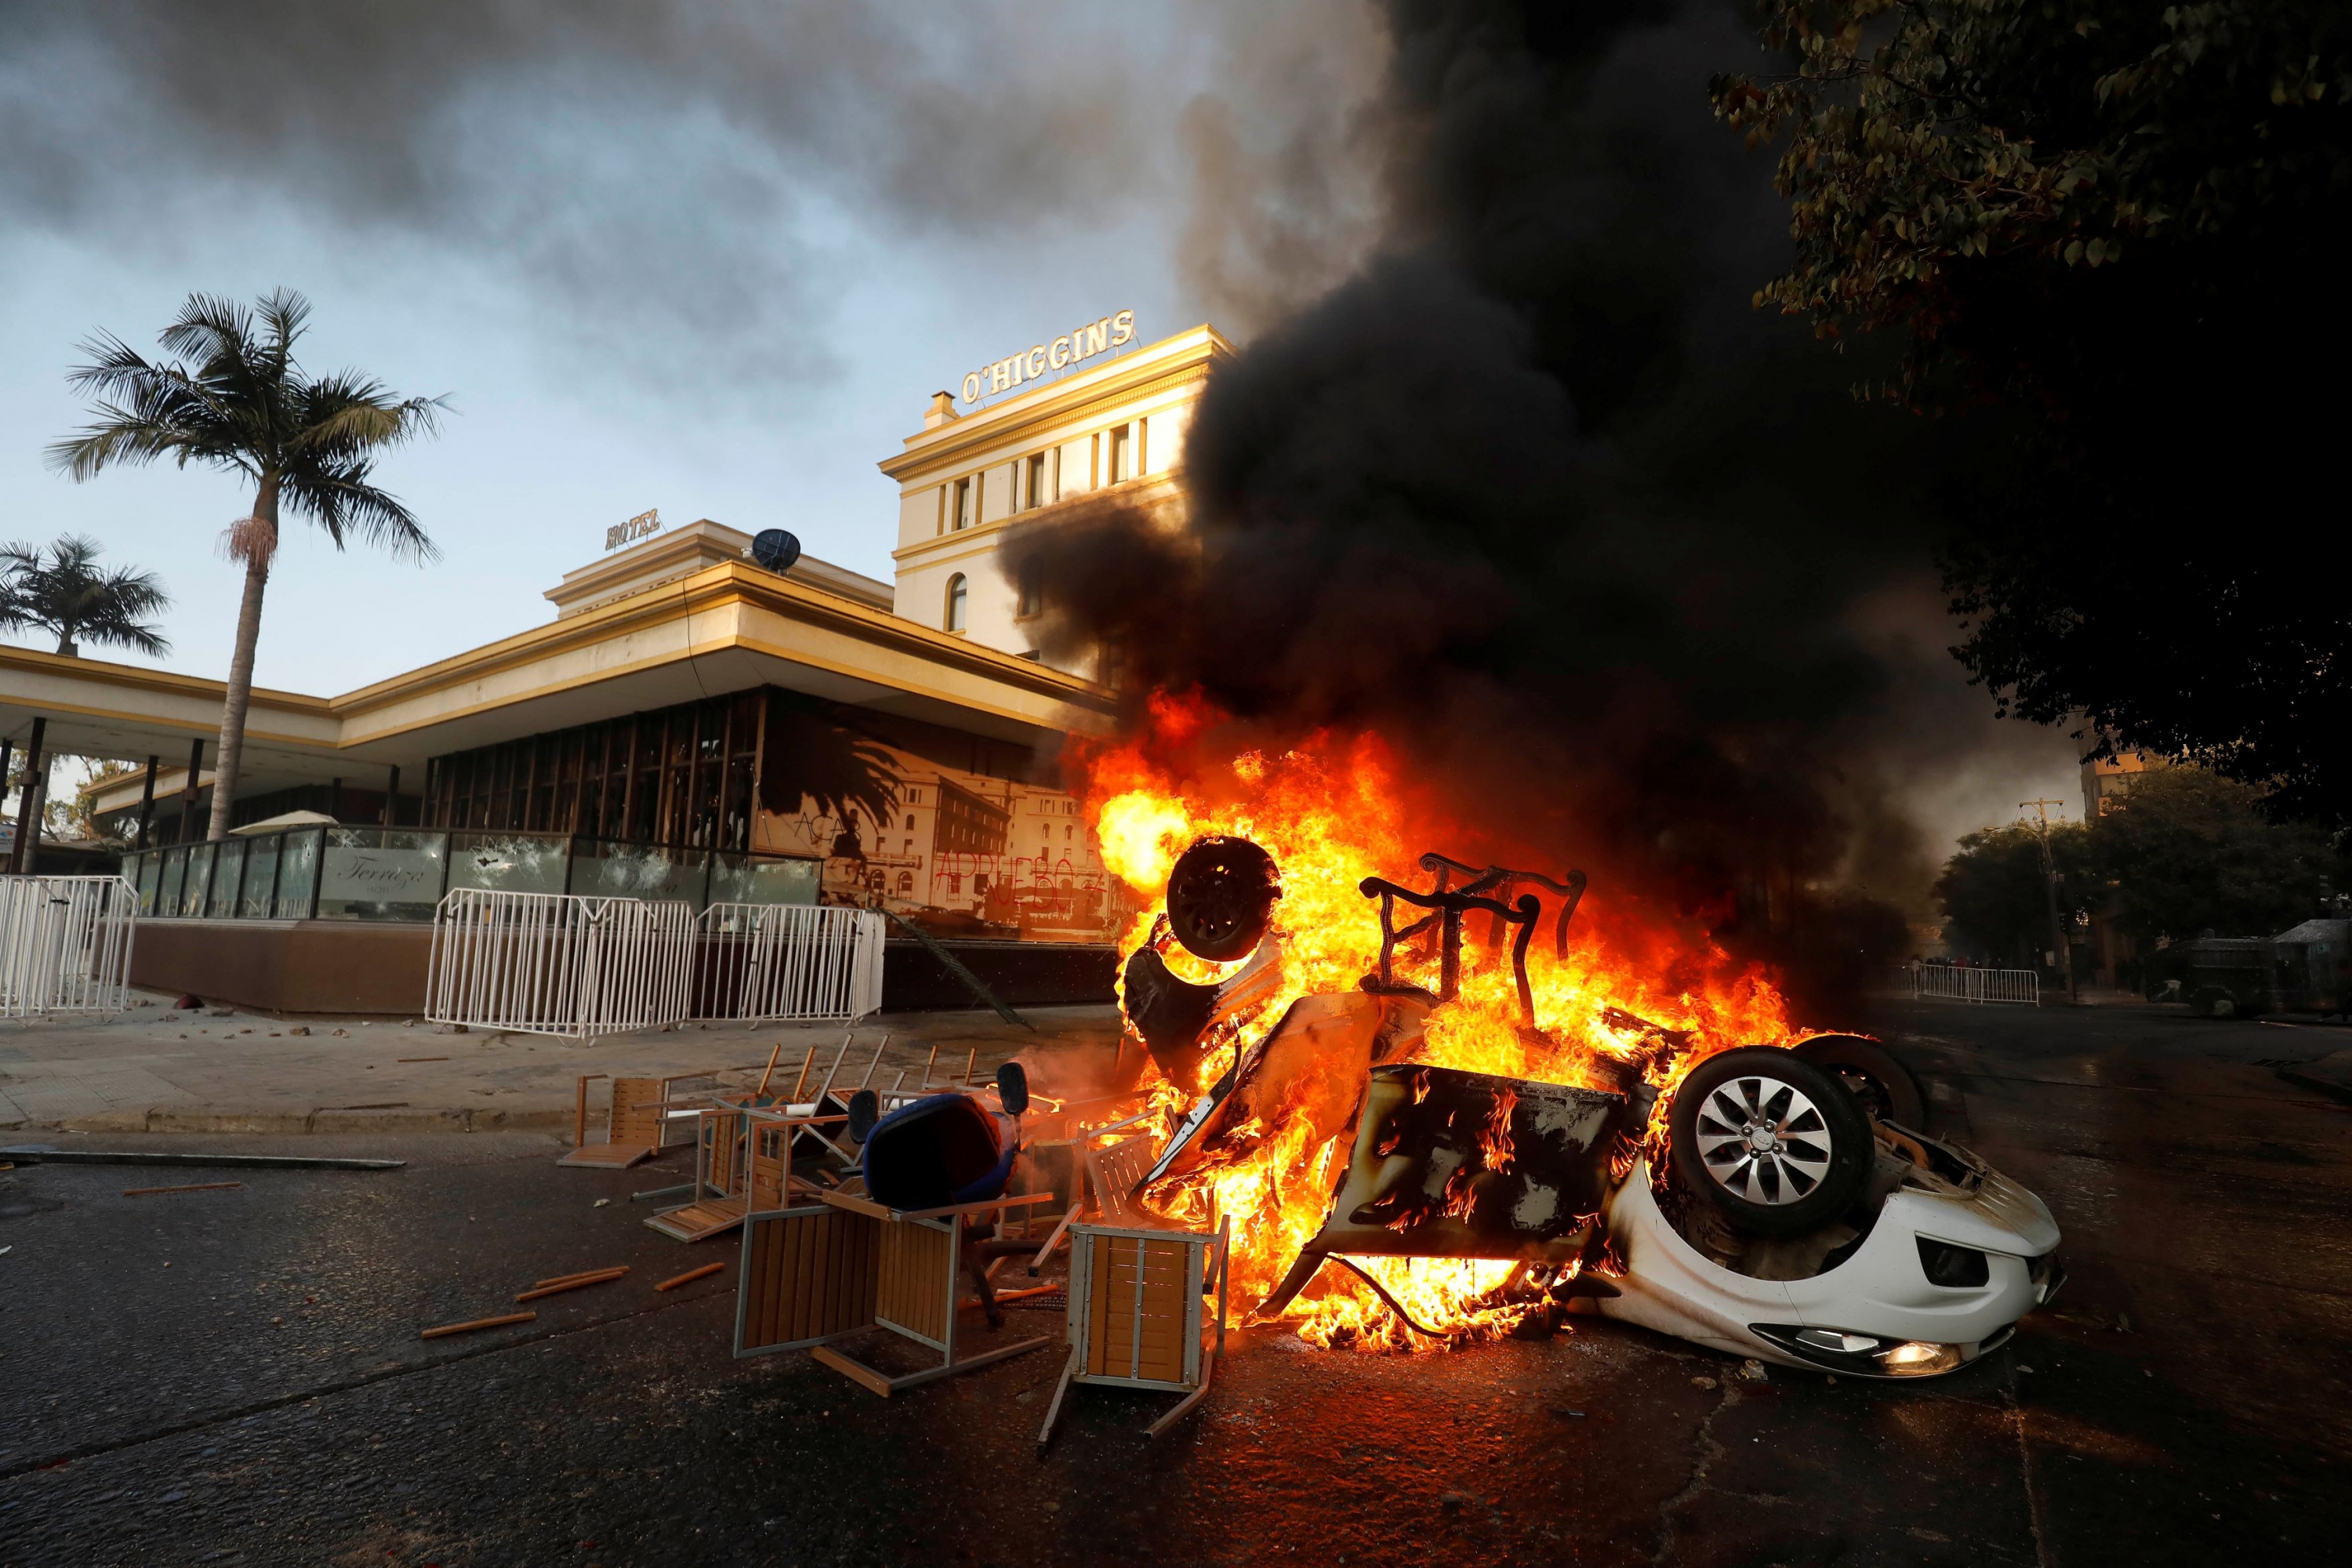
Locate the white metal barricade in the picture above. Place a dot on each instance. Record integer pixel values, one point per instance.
(1954, 982)
(65, 944)
(770, 963)
(555, 963)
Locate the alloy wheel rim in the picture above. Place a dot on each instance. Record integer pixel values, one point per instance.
(1762, 1141)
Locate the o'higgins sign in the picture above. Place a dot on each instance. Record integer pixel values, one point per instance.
(1083, 342)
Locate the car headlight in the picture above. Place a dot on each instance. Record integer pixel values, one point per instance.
(1866, 1355)
(1918, 1358)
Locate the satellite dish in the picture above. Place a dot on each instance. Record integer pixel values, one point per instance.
(775, 549)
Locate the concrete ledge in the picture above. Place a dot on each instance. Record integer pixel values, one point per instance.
(2330, 1075)
(166, 1119)
(306, 967)
(377, 968)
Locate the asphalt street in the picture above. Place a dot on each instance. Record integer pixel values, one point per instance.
(235, 1376)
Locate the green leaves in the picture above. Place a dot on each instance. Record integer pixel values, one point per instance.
(66, 593)
(1972, 129)
(237, 398)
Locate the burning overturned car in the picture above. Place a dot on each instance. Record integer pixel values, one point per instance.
(1402, 1168)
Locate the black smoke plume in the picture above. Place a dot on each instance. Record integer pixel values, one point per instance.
(1537, 495)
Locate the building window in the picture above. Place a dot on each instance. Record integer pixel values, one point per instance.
(1032, 598)
(962, 513)
(1034, 489)
(958, 591)
(1119, 438)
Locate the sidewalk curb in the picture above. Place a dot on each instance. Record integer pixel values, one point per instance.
(174, 1118)
(2337, 1083)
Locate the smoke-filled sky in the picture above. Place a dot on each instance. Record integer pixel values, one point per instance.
(713, 258)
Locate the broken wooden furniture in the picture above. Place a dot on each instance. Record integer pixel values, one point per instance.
(742, 1162)
(1111, 1173)
(1136, 1316)
(1451, 1164)
(817, 1274)
(635, 1127)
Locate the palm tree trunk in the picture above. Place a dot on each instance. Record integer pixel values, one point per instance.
(258, 544)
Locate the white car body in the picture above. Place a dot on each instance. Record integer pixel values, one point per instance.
(1880, 1293)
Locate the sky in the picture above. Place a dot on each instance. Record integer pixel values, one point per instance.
(710, 259)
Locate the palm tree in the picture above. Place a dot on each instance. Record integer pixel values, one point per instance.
(239, 402)
(68, 593)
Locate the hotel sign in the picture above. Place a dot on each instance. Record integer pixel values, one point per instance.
(1080, 343)
(645, 525)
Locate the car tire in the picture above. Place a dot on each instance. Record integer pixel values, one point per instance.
(1806, 1167)
(1871, 1073)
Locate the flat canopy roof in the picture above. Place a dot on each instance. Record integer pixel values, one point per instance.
(729, 628)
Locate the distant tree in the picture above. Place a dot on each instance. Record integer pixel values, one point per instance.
(2187, 851)
(241, 402)
(2127, 223)
(66, 594)
(1995, 908)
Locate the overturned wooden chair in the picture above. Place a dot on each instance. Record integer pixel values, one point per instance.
(742, 1164)
(1117, 1168)
(844, 1265)
(1137, 1315)
(634, 1127)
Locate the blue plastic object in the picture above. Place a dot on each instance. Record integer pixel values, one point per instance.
(941, 1149)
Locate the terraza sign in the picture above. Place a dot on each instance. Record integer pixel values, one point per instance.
(1081, 344)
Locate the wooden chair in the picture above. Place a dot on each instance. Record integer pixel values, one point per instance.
(742, 1164)
(844, 1265)
(1136, 1312)
(1116, 1171)
(634, 1127)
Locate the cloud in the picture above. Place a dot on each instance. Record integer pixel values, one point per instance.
(688, 185)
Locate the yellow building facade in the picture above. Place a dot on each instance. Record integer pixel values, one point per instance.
(902, 736)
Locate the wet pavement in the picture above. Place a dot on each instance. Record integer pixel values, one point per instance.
(235, 1375)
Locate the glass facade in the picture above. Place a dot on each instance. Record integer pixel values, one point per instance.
(381, 874)
(683, 776)
(401, 873)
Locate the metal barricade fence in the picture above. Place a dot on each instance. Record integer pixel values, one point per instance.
(557, 963)
(772, 963)
(1956, 983)
(65, 944)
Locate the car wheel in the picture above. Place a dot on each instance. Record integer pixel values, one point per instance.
(1777, 1144)
(1221, 896)
(1871, 1074)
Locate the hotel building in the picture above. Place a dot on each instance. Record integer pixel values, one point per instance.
(687, 724)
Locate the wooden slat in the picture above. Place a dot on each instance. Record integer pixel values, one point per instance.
(467, 1328)
(856, 1371)
(758, 1262)
(599, 1277)
(1097, 1302)
(692, 1275)
(866, 1237)
(807, 1270)
(635, 1118)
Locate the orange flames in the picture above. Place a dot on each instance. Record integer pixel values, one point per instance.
(1333, 811)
